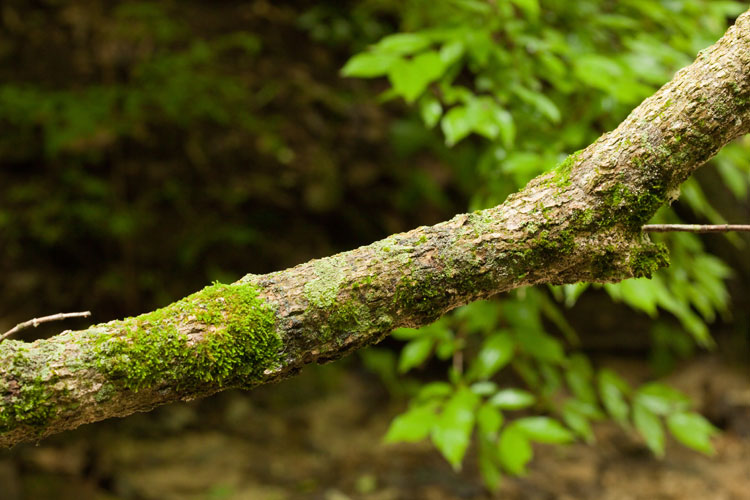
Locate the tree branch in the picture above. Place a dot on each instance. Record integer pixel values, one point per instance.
(581, 222)
(44, 319)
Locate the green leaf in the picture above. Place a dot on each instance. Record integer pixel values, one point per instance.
(430, 109)
(552, 379)
(598, 71)
(456, 124)
(489, 470)
(452, 431)
(578, 377)
(661, 399)
(483, 121)
(369, 64)
(406, 333)
(447, 347)
(528, 372)
(411, 77)
(581, 386)
(484, 388)
(507, 127)
(497, 350)
(585, 408)
(544, 430)
(452, 52)
(512, 399)
(479, 317)
(529, 7)
(572, 292)
(524, 166)
(640, 294)
(403, 43)
(578, 422)
(383, 363)
(580, 364)
(542, 103)
(489, 420)
(481, 7)
(612, 389)
(415, 353)
(736, 180)
(434, 390)
(541, 345)
(514, 450)
(692, 193)
(413, 425)
(692, 430)
(481, 115)
(649, 426)
(480, 46)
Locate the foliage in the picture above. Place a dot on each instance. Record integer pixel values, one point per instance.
(565, 395)
(521, 84)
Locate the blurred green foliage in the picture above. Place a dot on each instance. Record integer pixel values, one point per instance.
(523, 84)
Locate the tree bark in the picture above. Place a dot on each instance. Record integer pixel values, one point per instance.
(580, 222)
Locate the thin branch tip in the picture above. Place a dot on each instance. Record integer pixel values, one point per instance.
(695, 228)
(44, 319)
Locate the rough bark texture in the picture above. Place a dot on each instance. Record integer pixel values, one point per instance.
(580, 222)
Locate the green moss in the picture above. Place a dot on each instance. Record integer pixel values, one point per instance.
(363, 282)
(344, 317)
(561, 173)
(545, 248)
(562, 243)
(481, 222)
(605, 265)
(582, 220)
(238, 344)
(420, 297)
(648, 259)
(632, 209)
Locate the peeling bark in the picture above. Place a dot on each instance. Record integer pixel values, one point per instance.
(581, 222)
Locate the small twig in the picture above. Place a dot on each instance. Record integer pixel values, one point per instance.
(44, 319)
(695, 228)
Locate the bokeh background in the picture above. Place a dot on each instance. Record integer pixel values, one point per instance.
(149, 148)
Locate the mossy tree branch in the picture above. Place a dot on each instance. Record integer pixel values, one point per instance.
(581, 222)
